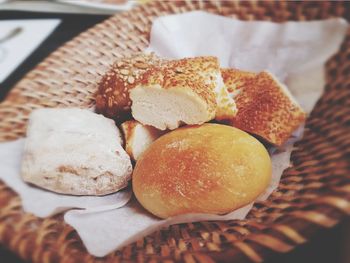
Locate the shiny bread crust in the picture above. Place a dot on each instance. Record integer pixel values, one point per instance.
(265, 106)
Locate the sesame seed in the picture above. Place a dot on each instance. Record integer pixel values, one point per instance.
(124, 71)
(131, 79)
(141, 65)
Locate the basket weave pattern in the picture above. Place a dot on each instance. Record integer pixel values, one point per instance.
(313, 194)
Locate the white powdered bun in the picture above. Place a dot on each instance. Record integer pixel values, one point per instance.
(74, 151)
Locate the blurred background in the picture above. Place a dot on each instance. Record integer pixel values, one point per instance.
(71, 6)
(44, 26)
(31, 30)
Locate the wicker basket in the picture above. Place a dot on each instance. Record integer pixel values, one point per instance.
(313, 194)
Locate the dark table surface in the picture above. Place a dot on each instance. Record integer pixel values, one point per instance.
(70, 26)
(329, 246)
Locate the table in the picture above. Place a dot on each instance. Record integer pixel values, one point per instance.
(50, 6)
(71, 25)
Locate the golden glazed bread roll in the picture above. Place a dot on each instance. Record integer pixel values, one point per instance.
(211, 168)
(265, 106)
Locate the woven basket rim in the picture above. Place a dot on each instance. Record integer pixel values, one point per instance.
(257, 244)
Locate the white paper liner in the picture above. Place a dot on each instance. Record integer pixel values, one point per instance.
(44, 203)
(139, 223)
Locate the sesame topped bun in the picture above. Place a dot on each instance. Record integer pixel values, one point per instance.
(184, 91)
(265, 106)
(112, 98)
